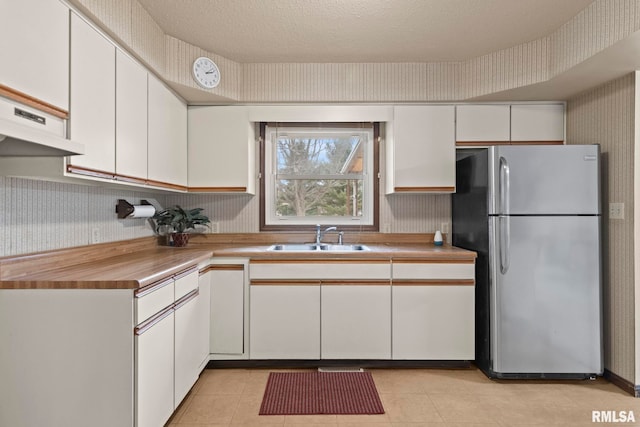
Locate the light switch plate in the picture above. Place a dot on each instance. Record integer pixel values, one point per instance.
(215, 227)
(616, 210)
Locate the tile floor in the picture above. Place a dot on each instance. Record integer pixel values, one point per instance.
(414, 398)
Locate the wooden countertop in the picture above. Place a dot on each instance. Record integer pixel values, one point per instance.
(140, 262)
(127, 271)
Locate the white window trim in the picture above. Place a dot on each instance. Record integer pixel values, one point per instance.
(367, 218)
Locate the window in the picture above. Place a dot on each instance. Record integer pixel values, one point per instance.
(319, 173)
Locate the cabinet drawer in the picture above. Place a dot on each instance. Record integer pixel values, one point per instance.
(325, 269)
(186, 282)
(435, 270)
(153, 298)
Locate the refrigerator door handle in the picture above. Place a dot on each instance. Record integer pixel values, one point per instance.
(504, 185)
(504, 223)
(504, 241)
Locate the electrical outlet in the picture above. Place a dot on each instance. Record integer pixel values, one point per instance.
(95, 235)
(616, 210)
(386, 227)
(444, 228)
(215, 227)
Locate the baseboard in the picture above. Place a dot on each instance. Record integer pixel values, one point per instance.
(290, 364)
(624, 384)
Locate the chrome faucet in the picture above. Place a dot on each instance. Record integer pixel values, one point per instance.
(320, 233)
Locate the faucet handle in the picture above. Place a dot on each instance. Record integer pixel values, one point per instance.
(340, 237)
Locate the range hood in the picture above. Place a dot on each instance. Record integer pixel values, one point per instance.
(32, 133)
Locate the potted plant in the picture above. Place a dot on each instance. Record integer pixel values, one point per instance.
(178, 221)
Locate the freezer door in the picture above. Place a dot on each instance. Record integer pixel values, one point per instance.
(545, 295)
(544, 180)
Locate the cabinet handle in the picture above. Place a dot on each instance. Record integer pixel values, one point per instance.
(183, 273)
(148, 324)
(185, 299)
(152, 287)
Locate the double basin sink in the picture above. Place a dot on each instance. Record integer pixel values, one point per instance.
(310, 247)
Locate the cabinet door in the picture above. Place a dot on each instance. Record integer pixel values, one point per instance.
(204, 318)
(93, 88)
(433, 322)
(356, 321)
(34, 41)
(482, 123)
(187, 357)
(167, 137)
(131, 118)
(227, 309)
(221, 149)
(537, 123)
(154, 373)
(423, 149)
(285, 321)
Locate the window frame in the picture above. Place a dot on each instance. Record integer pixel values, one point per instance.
(375, 176)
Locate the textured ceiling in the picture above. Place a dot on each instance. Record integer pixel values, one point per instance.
(280, 31)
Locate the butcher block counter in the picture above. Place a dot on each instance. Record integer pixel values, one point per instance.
(136, 263)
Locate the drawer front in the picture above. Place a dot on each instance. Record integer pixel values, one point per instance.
(433, 271)
(158, 297)
(186, 282)
(320, 270)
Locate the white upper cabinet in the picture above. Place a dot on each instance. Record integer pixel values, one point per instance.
(93, 89)
(221, 149)
(537, 123)
(420, 147)
(34, 41)
(131, 118)
(482, 124)
(167, 137)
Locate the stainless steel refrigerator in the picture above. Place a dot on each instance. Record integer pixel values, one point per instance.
(533, 215)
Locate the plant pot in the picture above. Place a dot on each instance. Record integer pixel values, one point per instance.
(180, 239)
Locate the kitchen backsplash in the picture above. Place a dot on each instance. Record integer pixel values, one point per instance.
(42, 215)
(404, 213)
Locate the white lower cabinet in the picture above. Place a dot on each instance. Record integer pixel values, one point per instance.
(187, 356)
(433, 310)
(154, 377)
(433, 322)
(66, 358)
(227, 309)
(167, 345)
(204, 319)
(292, 302)
(285, 321)
(356, 321)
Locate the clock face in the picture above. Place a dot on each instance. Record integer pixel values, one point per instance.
(206, 73)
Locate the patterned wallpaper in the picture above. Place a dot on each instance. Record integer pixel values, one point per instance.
(43, 215)
(605, 116)
(598, 26)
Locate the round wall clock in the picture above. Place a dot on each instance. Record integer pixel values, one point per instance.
(206, 73)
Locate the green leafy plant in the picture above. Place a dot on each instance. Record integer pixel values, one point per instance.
(180, 220)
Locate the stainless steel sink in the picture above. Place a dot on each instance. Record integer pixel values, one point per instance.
(310, 247)
(297, 247)
(345, 248)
